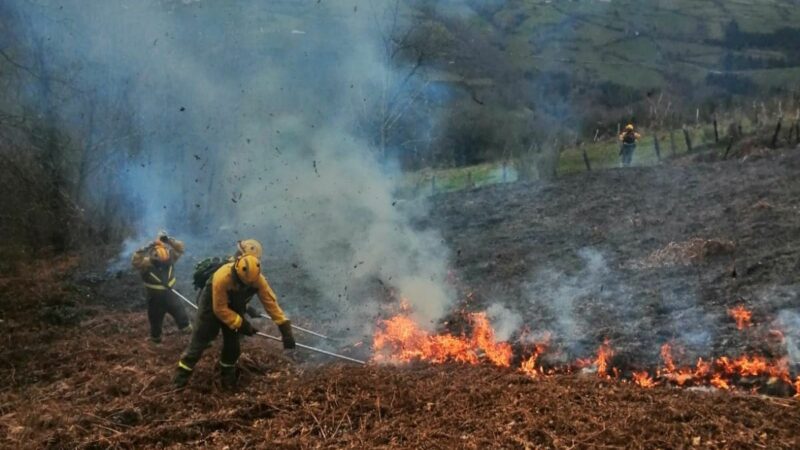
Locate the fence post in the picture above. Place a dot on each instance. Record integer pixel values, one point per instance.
(688, 139)
(797, 132)
(505, 171)
(469, 179)
(716, 132)
(586, 159)
(657, 146)
(727, 150)
(777, 132)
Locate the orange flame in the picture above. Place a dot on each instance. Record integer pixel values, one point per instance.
(399, 339)
(666, 356)
(604, 354)
(528, 367)
(685, 374)
(499, 353)
(741, 315)
(718, 382)
(755, 366)
(643, 379)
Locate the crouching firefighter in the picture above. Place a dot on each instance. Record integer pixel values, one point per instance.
(222, 306)
(155, 263)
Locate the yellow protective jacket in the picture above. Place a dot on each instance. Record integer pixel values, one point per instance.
(156, 275)
(229, 297)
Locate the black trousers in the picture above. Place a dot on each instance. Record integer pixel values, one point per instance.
(159, 303)
(206, 328)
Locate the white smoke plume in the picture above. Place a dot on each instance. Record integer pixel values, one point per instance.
(251, 119)
(504, 321)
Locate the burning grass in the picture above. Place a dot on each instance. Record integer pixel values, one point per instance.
(742, 316)
(400, 340)
(84, 390)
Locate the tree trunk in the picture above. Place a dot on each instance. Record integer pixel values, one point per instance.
(52, 157)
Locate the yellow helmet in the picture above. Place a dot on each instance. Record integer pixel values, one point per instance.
(249, 247)
(159, 253)
(248, 269)
(629, 127)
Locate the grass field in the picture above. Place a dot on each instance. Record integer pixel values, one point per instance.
(635, 43)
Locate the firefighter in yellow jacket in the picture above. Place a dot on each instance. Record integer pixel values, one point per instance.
(628, 139)
(223, 303)
(155, 263)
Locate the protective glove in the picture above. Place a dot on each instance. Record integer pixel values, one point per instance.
(286, 335)
(253, 312)
(247, 329)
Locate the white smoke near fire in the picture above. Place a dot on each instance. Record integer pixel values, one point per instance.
(251, 119)
(504, 321)
(596, 300)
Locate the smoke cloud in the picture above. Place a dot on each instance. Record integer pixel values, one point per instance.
(250, 119)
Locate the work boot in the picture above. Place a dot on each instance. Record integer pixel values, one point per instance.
(181, 378)
(229, 380)
(154, 339)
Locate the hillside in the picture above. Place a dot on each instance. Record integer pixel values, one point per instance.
(82, 375)
(644, 44)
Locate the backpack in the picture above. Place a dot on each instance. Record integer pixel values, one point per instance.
(629, 138)
(204, 269)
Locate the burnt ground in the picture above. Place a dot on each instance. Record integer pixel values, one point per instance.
(564, 255)
(77, 372)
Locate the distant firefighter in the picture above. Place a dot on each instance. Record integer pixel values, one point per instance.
(223, 303)
(155, 262)
(629, 137)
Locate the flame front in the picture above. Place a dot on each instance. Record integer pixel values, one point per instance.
(400, 340)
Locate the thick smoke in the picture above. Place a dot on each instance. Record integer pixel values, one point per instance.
(249, 121)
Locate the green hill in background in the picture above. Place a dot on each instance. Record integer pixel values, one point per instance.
(645, 44)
